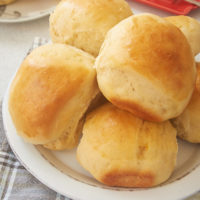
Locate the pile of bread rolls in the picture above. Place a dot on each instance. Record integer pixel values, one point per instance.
(127, 82)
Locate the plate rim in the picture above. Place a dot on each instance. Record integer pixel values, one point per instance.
(92, 191)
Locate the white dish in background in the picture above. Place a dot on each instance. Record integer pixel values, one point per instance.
(26, 10)
(61, 172)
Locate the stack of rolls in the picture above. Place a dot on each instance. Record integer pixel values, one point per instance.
(56, 83)
(118, 78)
(146, 69)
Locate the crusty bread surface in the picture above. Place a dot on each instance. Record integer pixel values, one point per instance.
(190, 28)
(51, 91)
(119, 149)
(84, 23)
(146, 67)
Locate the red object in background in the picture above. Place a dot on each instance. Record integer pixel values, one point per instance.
(179, 7)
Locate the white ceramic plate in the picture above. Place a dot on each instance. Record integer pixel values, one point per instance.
(26, 10)
(61, 172)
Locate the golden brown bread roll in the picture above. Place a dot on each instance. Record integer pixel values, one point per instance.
(84, 23)
(119, 149)
(146, 67)
(50, 93)
(188, 123)
(190, 28)
(5, 2)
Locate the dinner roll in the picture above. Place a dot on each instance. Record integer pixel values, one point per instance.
(188, 123)
(84, 23)
(5, 2)
(146, 67)
(50, 93)
(190, 28)
(120, 149)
